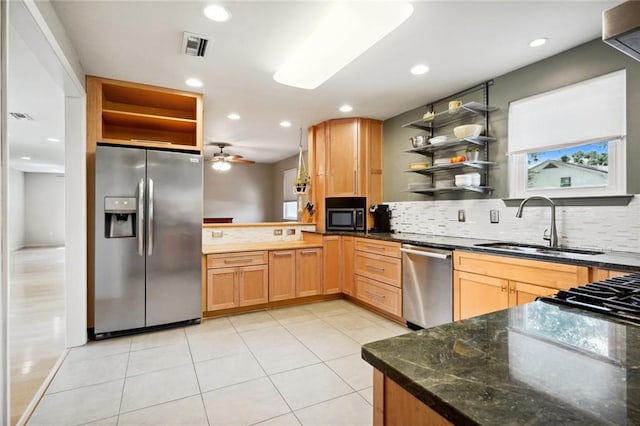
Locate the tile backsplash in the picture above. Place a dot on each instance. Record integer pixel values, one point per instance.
(602, 227)
(253, 234)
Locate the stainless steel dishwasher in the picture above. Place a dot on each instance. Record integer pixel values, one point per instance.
(427, 287)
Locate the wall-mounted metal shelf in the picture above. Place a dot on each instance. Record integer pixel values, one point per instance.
(433, 191)
(452, 166)
(452, 144)
(445, 118)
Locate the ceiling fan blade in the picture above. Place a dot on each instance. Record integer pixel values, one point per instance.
(240, 160)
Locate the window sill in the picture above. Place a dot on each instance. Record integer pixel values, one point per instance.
(606, 200)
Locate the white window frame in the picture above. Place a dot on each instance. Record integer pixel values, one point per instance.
(617, 180)
(287, 207)
(289, 198)
(542, 114)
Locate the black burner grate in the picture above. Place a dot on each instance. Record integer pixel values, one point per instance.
(618, 297)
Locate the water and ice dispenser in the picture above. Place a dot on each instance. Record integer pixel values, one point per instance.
(120, 217)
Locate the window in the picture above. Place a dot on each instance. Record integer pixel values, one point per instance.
(290, 203)
(570, 141)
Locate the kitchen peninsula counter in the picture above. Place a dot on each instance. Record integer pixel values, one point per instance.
(532, 364)
(270, 245)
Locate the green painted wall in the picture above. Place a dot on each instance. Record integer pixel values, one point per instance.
(580, 63)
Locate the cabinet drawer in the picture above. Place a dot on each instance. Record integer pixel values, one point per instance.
(548, 274)
(381, 268)
(379, 295)
(386, 248)
(227, 260)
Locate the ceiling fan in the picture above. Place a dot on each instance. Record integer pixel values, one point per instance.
(222, 161)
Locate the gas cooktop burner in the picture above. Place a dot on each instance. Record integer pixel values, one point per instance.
(617, 297)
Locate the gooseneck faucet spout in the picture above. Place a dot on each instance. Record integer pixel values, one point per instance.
(553, 238)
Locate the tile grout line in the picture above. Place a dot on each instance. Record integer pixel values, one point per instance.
(193, 364)
(267, 375)
(124, 382)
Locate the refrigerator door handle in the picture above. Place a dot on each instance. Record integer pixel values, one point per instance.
(150, 233)
(141, 217)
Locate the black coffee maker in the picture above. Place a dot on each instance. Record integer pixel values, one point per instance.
(381, 218)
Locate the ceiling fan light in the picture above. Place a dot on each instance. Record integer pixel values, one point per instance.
(221, 166)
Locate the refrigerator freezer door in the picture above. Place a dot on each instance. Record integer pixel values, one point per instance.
(119, 282)
(174, 237)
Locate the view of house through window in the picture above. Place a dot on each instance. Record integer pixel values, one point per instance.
(579, 166)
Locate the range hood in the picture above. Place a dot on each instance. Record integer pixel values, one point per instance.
(621, 28)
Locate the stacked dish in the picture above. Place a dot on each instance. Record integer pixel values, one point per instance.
(468, 179)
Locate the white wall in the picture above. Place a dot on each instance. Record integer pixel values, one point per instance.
(16, 210)
(245, 192)
(44, 209)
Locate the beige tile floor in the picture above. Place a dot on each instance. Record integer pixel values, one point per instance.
(290, 366)
(36, 321)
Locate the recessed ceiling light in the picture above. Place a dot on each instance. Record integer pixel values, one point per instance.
(233, 116)
(419, 69)
(25, 158)
(538, 42)
(193, 82)
(336, 41)
(346, 108)
(285, 123)
(217, 13)
(53, 139)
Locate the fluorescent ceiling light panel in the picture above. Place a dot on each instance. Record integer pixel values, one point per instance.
(345, 32)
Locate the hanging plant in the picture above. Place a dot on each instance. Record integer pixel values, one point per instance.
(303, 180)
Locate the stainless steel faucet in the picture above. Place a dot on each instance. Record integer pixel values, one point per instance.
(553, 238)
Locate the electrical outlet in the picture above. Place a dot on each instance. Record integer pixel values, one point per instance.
(216, 234)
(461, 217)
(494, 216)
(291, 232)
(277, 232)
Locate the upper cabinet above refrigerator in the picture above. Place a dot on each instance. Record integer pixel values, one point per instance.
(134, 114)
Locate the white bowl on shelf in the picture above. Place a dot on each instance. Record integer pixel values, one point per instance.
(438, 140)
(468, 131)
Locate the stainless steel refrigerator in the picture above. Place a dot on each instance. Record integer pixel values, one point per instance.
(148, 233)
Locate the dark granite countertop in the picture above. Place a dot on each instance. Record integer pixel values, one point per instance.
(535, 364)
(616, 260)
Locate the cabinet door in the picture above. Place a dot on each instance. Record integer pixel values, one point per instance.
(282, 275)
(347, 265)
(332, 265)
(373, 129)
(521, 293)
(308, 272)
(478, 294)
(221, 289)
(253, 285)
(342, 159)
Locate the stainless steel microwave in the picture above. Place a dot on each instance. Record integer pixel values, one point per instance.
(346, 219)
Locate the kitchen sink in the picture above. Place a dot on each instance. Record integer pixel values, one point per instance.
(532, 248)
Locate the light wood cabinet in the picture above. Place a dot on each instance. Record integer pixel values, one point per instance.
(309, 272)
(377, 269)
(234, 280)
(332, 268)
(487, 283)
(599, 274)
(344, 171)
(282, 275)
(345, 160)
(124, 113)
(347, 248)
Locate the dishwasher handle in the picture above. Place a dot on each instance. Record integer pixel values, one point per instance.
(426, 253)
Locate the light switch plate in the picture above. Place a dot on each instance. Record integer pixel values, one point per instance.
(461, 216)
(216, 234)
(494, 216)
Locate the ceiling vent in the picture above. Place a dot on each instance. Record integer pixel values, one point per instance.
(194, 45)
(21, 116)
